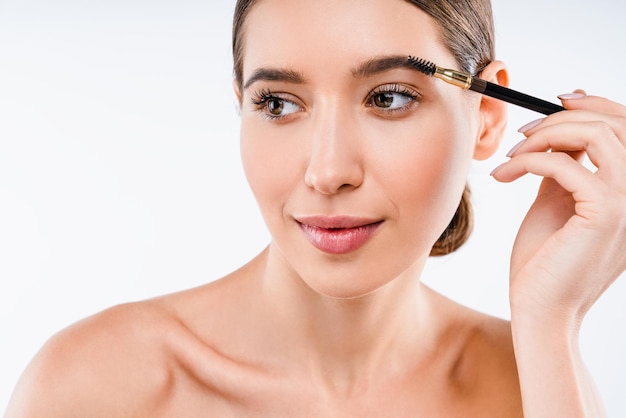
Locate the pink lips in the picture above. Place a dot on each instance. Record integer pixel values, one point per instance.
(338, 235)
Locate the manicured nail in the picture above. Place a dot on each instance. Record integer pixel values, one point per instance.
(530, 125)
(515, 148)
(570, 96)
(496, 169)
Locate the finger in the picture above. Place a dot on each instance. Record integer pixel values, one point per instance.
(572, 176)
(616, 123)
(579, 100)
(596, 138)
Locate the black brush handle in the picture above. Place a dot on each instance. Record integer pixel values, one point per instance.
(515, 97)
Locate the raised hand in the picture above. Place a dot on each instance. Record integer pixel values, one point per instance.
(572, 243)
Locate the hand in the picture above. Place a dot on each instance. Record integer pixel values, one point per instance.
(572, 243)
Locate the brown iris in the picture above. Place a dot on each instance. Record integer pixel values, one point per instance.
(275, 107)
(384, 100)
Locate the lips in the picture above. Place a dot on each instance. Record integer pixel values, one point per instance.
(338, 235)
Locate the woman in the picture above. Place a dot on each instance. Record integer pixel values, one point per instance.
(358, 164)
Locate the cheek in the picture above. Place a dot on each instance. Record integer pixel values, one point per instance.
(271, 166)
(425, 169)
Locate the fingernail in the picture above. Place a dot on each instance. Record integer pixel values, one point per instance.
(515, 148)
(496, 169)
(570, 96)
(530, 125)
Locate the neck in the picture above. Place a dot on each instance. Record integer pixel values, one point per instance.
(343, 340)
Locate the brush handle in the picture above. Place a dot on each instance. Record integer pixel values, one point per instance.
(515, 97)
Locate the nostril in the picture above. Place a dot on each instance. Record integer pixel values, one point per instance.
(329, 185)
(330, 181)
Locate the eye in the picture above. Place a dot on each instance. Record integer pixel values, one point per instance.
(273, 105)
(392, 98)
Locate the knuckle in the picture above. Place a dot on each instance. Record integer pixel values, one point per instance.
(621, 129)
(603, 129)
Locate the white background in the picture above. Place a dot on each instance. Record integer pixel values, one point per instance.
(120, 176)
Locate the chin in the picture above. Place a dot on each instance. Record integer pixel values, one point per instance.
(349, 284)
(355, 275)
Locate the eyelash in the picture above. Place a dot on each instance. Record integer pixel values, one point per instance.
(393, 88)
(261, 98)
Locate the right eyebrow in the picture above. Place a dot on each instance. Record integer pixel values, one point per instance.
(274, 74)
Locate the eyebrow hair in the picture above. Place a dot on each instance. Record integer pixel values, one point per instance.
(368, 68)
(274, 74)
(381, 64)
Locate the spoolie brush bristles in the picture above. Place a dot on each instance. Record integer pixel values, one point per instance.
(422, 65)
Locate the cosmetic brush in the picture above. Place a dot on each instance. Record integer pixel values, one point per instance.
(469, 82)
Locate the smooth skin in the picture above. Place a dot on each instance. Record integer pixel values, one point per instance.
(570, 247)
(299, 332)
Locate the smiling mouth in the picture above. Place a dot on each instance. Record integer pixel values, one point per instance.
(338, 235)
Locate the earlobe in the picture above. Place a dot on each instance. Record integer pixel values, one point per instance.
(493, 113)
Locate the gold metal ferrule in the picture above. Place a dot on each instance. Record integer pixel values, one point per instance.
(457, 78)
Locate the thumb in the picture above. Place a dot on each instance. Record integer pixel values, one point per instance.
(579, 100)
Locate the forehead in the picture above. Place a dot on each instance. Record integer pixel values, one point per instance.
(333, 34)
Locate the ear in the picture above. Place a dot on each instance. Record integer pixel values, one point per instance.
(238, 92)
(493, 113)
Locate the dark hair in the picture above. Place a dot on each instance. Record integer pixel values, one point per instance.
(467, 30)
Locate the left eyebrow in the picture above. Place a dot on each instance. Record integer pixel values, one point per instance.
(381, 64)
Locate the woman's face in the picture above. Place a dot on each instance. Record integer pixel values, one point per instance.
(357, 161)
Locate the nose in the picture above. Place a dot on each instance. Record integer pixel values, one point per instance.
(335, 161)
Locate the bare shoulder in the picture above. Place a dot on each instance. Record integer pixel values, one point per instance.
(488, 364)
(483, 374)
(153, 358)
(111, 364)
